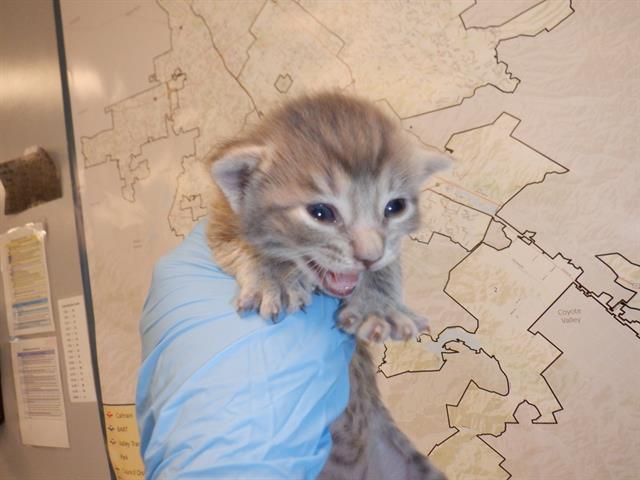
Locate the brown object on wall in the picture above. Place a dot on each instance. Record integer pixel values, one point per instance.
(29, 180)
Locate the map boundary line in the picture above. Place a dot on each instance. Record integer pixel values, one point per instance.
(498, 61)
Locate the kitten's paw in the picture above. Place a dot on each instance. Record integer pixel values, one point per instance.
(265, 299)
(270, 298)
(377, 325)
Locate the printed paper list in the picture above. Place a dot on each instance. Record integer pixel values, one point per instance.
(41, 409)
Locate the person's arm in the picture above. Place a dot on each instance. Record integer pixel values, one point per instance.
(228, 396)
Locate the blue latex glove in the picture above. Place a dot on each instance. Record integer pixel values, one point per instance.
(224, 396)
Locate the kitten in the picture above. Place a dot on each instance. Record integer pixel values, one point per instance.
(319, 196)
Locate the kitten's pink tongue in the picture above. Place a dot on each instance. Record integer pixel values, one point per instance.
(340, 284)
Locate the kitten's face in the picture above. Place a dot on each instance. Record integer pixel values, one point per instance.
(334, 229)
(331, 184)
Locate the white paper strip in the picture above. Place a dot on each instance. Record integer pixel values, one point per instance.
(77, 352)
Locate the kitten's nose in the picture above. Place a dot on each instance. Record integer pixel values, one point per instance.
(367, 263)
(367, 245)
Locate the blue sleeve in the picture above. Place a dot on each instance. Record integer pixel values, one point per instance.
(227, 396)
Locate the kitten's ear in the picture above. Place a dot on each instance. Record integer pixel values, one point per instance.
(231, 169)
(431, 161)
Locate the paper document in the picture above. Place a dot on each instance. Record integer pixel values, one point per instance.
(77, 352)
(123, 441)
(41, 412)
(25, 281)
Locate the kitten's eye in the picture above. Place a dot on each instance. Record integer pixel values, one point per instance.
(322, 212)
(395, 207)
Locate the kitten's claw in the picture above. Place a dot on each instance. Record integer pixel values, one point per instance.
(247, 301)
(271, 305)
(421, 324)
(298, 296)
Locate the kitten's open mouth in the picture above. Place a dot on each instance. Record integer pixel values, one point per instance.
(337, 284)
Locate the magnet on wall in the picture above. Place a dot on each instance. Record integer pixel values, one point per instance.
(29, 180)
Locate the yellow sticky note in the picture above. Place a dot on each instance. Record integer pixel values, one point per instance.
(123, 441)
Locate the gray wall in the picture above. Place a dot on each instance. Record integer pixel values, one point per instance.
(31, 113)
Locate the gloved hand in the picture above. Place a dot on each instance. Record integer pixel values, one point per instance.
(228, 396)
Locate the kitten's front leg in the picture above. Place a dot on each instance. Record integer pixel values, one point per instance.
(375, 311)
(264, 284)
